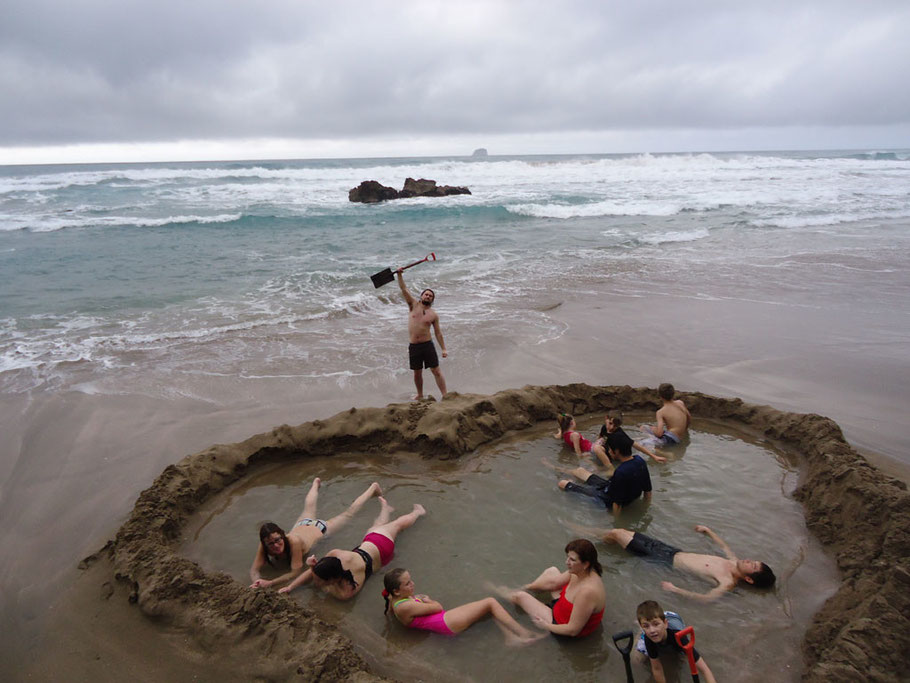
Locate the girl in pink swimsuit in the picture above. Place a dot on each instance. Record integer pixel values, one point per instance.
(575, 440)
(424, 613)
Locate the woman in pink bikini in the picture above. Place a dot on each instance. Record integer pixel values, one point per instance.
(423, 613)
(579, 595)
(342, 573)
(580, 444)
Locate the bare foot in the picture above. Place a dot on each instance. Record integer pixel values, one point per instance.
(499, 589)
(375, 489)
(419, 509)
(513, 640)
(588, 530)
(385, 506)
(417, 397)
(316, 482)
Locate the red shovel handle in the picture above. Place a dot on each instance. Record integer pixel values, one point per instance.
(429, 257)
(689, 648)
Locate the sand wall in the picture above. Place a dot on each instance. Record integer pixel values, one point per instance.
(860, 515)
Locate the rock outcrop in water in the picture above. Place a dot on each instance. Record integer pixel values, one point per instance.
(371, 191)
(860, 515)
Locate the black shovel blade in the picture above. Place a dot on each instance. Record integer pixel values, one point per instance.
(627, 648)
(383, 277)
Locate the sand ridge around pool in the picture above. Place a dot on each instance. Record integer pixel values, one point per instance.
(860, 515)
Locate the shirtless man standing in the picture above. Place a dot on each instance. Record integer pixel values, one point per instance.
(421, 350)
(673, 419)
(724, 571)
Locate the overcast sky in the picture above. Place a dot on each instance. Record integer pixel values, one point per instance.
(183, 79)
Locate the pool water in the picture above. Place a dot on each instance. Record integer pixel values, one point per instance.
(497, 517)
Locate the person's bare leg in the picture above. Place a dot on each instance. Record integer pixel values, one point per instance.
(309, 504)
(608, 535)
(340, 520)
(418, 383)
(392, 529)
(440, 380)
(385, 513)
(464, 616)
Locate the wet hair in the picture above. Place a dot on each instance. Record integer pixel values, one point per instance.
(763, 578)
(586, 553)
(564, 420)
(666, 391)
(330, 569)
(392, 582)
(648, 610)
(266, 530)
(620, 442)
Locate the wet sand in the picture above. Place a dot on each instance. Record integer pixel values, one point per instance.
(73, 464)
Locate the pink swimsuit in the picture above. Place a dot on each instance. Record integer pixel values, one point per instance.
(385, 545)
(430, 622)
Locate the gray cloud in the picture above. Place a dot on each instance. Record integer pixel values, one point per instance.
(83, 72)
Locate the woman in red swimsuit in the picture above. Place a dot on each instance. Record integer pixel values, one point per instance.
(580, 444)
(578, 592)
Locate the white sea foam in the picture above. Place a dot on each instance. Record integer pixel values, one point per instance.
(52, 223)
(675, 236)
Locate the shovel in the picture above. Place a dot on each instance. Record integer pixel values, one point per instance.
(689, 649)
(384, 277)
(624, 651)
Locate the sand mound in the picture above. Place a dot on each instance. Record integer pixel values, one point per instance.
(859, 514)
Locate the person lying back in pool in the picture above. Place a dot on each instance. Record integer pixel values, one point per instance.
(582, 446)
(612, 424)
(342, 573)
(660, 638)
(726, 572)
(423, 613)
(579, 597)
(673, 419)
(279, 549)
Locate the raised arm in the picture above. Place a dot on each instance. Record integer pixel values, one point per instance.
(408, 297)
(438, 331)
(702, 529)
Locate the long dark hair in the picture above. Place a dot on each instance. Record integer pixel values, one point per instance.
(564, 420)
(586, 553)
(392, 582)
(267, 530)
(330, 569)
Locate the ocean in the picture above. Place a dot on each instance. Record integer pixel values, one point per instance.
(157, 276)
(149, 311)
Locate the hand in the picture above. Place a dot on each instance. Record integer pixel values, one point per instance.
(445, 354)
(311, 561)
(667, 586)
(261, 583)
(658, 458)
(399, 271)
(422, 597)
(286, 589)
(702, 529)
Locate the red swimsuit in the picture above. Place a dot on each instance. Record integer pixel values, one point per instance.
(562, 612)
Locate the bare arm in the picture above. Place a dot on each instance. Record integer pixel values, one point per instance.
(710, 596)
(581, 611)
(301, 580)
(661, 425)
(438, 331)
(576, 442)
(657, 670)
(408, 611)
(702, 529)
(408, 297)
(258, 564)
(651, 454)
(617, 508)
(706, 673)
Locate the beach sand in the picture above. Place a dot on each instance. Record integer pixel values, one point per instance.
(73, 463)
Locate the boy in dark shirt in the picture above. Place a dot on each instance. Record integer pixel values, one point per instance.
(613, 423)
(630, 480)
(660, 638)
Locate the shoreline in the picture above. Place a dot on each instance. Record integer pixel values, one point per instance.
(850, 636)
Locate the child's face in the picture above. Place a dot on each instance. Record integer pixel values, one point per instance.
(655, 629)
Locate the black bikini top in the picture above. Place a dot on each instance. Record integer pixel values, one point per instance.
(367, 560)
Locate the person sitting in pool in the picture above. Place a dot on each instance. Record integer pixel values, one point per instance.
(725, 572)
(579, 595)
(421, 612)
(580, 444)
(613, 424)
(673, 419)
(342, 573)
(659, 637)
(277, 548)
(629, 482)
